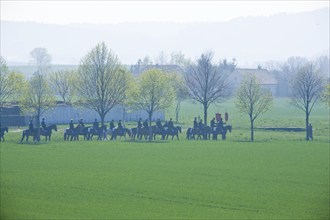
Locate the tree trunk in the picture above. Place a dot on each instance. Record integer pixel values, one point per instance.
(307, 127)
(252, 129)
(177, 110)
(38, 126)
(102, 116)
(205, 114)
(150, 129)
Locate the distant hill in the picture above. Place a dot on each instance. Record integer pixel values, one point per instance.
(248, 39)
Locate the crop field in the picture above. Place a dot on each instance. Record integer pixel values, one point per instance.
(279, 176)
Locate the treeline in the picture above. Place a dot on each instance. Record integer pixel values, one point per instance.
(101, 82)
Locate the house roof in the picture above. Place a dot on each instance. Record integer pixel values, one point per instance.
(265, 77)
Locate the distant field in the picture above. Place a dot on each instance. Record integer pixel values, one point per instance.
(279, 176)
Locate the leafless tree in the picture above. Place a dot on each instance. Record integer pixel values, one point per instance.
(42, 59)
(252, 99)
(306, 88)
(206, 82)
(103, 81)
(38, 97)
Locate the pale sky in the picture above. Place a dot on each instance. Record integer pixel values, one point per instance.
(66, 12)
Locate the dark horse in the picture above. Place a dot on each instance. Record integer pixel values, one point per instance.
(157, 131)
(140, 132)
(120, 132)
(174, 132)
(221, 130)
(74, 133)
(201, 133)
(2, 133)
(27, 133)
(101, 133)
(47, 132)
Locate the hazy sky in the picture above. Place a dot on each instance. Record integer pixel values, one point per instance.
(65, 12)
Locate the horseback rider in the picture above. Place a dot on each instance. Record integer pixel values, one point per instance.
(139, 124)
(170, 125)
(43, 124)
(71, 125)
(95, 125)
(212, 124)
(159, 124)
(145, 124)
(120, 126)
(31, 128)
(81, 123)
(195, 123)
(200, 124)
(112, 125)
(220, 124)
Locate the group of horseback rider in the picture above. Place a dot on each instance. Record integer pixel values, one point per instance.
(43, 125)
(213, 124)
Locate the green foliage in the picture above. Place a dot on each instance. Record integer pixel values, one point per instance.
(325, 97)
(5, 88)
(18, 84)
(151, 92)
(102, 81)
(252, 100)
(63, 83)
(37, 97)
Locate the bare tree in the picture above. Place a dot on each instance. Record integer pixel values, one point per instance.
(42, 59)
(38, 97)
(206, 82)
(62, 82)
(252, 99)
(102, 83)
(306, 88)
(161, 59)
(181, 92)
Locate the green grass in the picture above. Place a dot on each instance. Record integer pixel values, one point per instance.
(279, 176)
(184, 179)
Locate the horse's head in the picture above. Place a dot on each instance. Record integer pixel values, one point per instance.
(229, 127)
(179, 129)
(5, 129)
(55, 127)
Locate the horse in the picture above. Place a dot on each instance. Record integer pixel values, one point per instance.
(221, 130)
(74, 133)
(47, 132)
(101, 133)
(120, 132)
(143, 132)
(26, 133)
(157, 131)
(203, 133)
(2, 133)
(174, 132)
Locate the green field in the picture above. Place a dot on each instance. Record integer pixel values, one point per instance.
(279, 176)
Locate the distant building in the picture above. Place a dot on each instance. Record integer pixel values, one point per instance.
(267, 80)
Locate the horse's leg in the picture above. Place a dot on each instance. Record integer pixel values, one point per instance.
(22, 137)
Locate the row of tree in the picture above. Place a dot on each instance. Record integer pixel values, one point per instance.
(101, 83)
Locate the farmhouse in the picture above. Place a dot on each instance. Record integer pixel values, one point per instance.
(267, 80)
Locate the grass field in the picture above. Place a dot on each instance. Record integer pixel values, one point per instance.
(279, 176)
